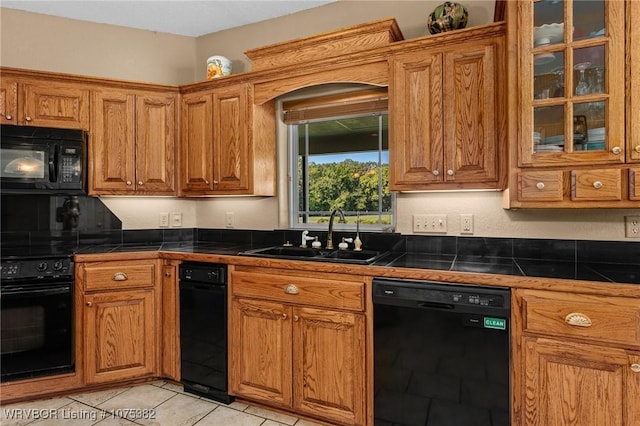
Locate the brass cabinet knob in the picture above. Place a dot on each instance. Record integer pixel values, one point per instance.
(128, 183)
(284, 316)
(296, 318)
(120, 276)
(540, 185)
(636, 149)
(597, 184)
(140, 183)
(291, 289)
(89, 304)
(27, 118)
(616, 150)
(436, 172)
(206, 181)
(450, 172)
(635, 368)
(578, 319)
(9, 117)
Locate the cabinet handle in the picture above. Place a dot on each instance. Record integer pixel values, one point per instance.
(128, 183)
(577, 319)
(291, 289)
(120, 276)
(206, 181)
(27, 118)
(167, 274)
(8, 117)
(140, 183)
(540, 185)
(616, 150)
(450, 172)
(296, 318)
(636, 149)
(284, 316)
(436, 173)
(635, 368)
(597, 184)
(89, 304)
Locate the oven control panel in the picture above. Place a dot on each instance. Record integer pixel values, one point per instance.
(36, 268)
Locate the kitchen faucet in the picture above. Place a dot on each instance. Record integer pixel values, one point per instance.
(330, 233)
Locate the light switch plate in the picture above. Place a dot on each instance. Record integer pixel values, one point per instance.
(430, 223)
(176, 219)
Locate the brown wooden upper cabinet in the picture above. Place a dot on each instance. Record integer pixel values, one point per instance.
(228, 143)
(133, 143)
(447, 115)
(43, 103)
(574, 98)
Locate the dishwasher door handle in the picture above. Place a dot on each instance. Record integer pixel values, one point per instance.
(436, 305)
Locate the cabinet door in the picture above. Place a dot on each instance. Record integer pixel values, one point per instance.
(572, 82)
(329, 365)
(54, 104)
(119, 335)
(416, 154)
(196, 151)
(155, 143)
(8, 101)
(471, 107)
(231, 123)
(260, 351)
(571, 383)
(633, 81)
(112, 158)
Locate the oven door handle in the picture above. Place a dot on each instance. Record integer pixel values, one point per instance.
(26, 291)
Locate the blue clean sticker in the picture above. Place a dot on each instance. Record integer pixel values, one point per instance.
(497, 323)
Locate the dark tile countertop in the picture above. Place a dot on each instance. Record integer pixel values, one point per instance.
(544, 268)
(603, 261)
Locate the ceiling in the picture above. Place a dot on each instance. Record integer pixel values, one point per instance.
(182, 17)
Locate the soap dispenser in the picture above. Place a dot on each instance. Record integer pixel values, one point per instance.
(316, 243)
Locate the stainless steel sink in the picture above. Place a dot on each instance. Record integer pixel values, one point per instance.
(364, 257)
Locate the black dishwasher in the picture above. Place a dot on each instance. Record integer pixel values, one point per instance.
(441, 354)
(203, 330)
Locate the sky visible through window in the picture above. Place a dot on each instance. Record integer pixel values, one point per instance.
(338, 158)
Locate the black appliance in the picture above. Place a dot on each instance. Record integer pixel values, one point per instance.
(38, 160)
(36, 328)
(441, 354)
(203, 330)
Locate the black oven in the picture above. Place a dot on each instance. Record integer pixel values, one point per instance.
(36, 318)
(42, 160)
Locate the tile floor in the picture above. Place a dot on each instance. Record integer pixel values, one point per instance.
(165, 402)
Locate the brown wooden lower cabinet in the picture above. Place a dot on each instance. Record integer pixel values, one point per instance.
(578, 360)
(309, 359)
(120, 319)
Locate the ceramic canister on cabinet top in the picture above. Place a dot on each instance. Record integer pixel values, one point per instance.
(218, 66)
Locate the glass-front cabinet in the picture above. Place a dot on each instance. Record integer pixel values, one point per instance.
(572, 82)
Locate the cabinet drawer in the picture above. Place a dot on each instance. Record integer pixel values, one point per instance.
(634, 183)
(596, 185)
(338, 292)
(600, 318)
(116, 275)
(540, 186)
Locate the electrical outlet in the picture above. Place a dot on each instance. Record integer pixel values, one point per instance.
(466, 223)
(632, 226)
(228, 219)
(164, 220)
(430, 223)
(176, 219)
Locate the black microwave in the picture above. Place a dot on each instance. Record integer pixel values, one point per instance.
(43, 160)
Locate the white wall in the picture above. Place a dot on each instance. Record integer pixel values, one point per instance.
(40, 42)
